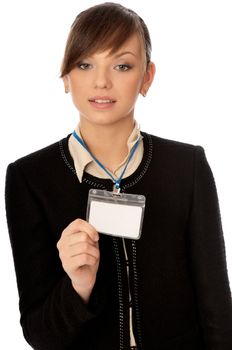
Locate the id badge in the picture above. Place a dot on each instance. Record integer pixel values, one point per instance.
(119, 215)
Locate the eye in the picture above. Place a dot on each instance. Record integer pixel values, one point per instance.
(83, 66)
(123, 67)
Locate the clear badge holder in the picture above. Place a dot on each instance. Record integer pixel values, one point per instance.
(116, 214)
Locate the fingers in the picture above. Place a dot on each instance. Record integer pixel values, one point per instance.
(71, 240)
(78, 244)
(78, 261)
(80, 225)
(81, 248)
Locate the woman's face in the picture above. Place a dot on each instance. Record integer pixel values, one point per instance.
(105, 88)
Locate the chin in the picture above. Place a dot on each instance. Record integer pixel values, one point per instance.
(105, 120)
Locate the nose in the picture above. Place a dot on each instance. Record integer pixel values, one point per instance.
(102, 78)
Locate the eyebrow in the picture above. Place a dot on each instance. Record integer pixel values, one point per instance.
(119, 54)
(124, 53)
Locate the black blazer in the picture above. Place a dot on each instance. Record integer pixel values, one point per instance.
(178, 276)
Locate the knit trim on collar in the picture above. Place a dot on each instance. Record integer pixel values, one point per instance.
(126, 182)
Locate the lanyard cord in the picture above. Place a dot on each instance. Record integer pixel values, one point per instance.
(117, 182)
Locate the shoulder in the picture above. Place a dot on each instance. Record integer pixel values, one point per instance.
(175, 159)
(169, 143)
(178, 165)
(170, 148)
(38, 162)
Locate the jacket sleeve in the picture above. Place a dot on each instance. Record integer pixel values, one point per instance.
(53, 315)
(208, 259)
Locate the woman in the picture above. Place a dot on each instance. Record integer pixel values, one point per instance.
(80, 288)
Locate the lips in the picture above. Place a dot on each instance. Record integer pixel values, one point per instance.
(102, 99)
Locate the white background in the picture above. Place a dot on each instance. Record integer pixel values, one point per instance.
(190, 99)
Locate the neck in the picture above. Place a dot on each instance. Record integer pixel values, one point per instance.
(108, 143)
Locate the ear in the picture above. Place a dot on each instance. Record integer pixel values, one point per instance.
(66, 83)
(148, 78)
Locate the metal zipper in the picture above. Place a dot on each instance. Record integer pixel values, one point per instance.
(120, 294)
(136, 306)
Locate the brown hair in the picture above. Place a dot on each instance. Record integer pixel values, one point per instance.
(101, 27)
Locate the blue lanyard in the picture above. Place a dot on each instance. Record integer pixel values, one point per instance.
(116, 182)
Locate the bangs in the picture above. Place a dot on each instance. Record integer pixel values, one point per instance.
(100, 28)
(107, 34)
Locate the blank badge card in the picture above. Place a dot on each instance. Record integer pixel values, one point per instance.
(116, 214)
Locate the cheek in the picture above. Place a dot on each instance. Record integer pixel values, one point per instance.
(137, 80)
(78, 91)
(133, 85)
(77, 86)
